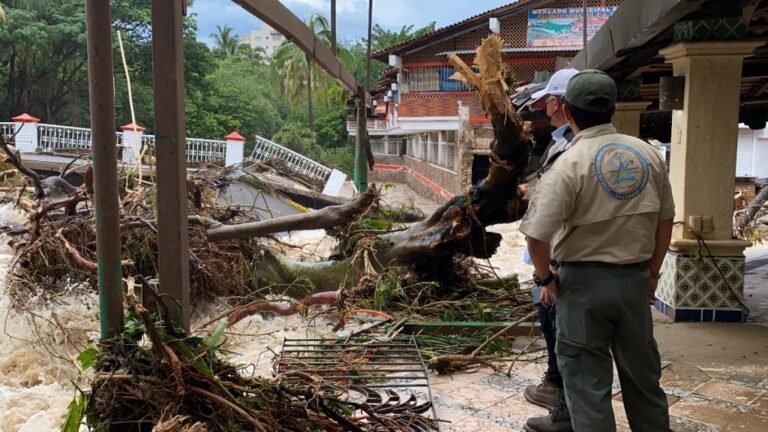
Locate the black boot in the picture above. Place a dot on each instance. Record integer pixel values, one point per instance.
(559, 420)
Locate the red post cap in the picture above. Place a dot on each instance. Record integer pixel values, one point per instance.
(234, 136)
(26, 118)
(132, 127)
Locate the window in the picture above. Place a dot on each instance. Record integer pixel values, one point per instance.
(423, 79)
(433, 141)
(447, 157)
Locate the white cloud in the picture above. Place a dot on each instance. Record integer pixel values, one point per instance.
(342, 6)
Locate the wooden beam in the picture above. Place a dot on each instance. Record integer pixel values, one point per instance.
(170, 150)
(283, 20)
(106, 202)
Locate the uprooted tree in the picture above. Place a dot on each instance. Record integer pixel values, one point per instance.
(179, 381)
(230, 253)
(434, 246)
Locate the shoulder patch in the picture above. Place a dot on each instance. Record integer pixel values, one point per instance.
(621, 171)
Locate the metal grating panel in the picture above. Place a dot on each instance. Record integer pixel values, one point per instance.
(383, 376)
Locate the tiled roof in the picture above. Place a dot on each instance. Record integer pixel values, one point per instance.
(439, 104)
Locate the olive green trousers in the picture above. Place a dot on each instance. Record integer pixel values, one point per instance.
(603, 309)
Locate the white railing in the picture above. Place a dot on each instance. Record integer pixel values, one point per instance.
(203, 150)
(57, 138)
(373, 125)
(266, 150)
(7, 129)
(53, 137)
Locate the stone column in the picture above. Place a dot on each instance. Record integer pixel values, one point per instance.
(132, 136)
(235, 149)
(695, 287)
(26, 132)
(464, 141)
(627, 117)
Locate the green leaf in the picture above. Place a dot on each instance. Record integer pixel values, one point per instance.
(215, 340)
(88, 357)
(76, 412)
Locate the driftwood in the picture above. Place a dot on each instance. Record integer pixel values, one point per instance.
(14, 158)
(326, 218)
(753, 208)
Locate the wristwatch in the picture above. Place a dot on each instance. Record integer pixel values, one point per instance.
(544, 282)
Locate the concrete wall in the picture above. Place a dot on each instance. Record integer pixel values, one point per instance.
(429, 181)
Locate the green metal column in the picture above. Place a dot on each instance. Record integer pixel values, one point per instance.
(360, 176)
(106, 198)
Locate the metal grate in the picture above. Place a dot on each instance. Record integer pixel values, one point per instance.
(385, 376)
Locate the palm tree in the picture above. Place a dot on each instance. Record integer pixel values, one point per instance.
(257, 55)
(382, 38)
(226, 41)
(295, 72)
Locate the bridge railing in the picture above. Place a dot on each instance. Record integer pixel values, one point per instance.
(266, 150)
(203, 150)
(54, 137)
(7, 129)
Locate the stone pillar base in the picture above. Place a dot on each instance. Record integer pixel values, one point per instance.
(692, 289)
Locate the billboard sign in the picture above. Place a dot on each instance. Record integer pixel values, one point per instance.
(563, 27)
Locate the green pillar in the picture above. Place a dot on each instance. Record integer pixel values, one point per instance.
(360, 175)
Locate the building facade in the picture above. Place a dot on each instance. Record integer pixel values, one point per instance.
(266, 38)
(428, 130)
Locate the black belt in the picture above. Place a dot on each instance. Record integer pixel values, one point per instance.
(600, 264)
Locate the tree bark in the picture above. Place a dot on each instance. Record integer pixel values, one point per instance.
(325, 218)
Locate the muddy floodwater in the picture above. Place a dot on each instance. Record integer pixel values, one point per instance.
(38, 373)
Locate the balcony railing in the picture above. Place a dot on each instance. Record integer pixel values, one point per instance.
(373, 125)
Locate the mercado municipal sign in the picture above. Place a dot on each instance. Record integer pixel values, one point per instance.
(563, 27)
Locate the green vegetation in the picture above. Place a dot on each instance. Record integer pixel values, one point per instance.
(229, 86)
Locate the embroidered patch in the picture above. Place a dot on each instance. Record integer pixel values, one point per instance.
(621, 170)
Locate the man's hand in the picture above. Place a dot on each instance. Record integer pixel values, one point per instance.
(652, 284)
(549, 294)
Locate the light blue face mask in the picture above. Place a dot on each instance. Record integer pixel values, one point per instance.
(527, 257)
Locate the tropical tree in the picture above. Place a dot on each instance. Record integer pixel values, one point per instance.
(226, 41)
(33, 5)
(257, 56)
(296, 74)
(382, 38)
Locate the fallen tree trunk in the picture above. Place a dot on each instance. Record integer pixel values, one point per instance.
(456, 229)
(328, 217)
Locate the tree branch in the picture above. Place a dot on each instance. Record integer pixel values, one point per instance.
(326, 218)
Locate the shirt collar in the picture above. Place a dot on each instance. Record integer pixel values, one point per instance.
(594, 131)
(560, 132)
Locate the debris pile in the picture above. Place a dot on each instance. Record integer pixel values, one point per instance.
(430, 270)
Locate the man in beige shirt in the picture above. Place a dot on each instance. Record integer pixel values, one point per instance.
(605, 212)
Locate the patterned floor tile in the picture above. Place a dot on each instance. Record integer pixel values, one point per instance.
(477, 425)
(513, 384)
(738, 394)
(703, 413)
(748, 423)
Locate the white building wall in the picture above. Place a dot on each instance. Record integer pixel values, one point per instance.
(267, 38)
(752, 153)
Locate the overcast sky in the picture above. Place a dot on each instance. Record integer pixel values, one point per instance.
(352, 15)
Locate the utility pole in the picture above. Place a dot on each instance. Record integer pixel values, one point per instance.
(333, 27)
(360, 175)
(586, 22)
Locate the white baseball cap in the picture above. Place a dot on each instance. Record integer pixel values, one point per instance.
(556, 85)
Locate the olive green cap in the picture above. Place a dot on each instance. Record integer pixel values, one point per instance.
(591, 90)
